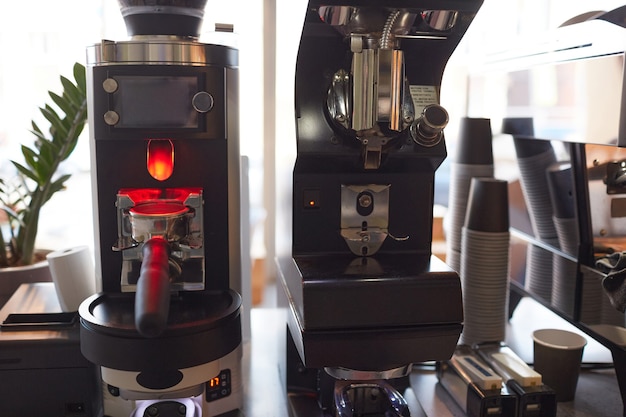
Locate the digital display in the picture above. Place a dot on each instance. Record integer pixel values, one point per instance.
(156, 101)
(214, 382)
(219, 386)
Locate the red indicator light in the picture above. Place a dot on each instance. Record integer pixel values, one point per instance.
(160, 158)
(311, 198)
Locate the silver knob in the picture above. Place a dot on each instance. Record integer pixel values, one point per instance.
(427, 130)
(111, 118)
(110, 85)
(202, 102)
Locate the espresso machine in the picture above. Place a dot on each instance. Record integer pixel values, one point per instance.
(165, 329)
(365, 297)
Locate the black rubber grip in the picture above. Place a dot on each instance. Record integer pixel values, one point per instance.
(152, 299)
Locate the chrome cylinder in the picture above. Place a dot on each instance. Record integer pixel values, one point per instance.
(165, 219)
(157, 50)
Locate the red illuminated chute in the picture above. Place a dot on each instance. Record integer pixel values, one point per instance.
(160, 158)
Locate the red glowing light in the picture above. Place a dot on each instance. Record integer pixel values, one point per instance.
(159, 209)
(146, 195)
(160, 158)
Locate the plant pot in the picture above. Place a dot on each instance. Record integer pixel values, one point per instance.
(12, 278)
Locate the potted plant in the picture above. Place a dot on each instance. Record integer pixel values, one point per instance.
(37, 179)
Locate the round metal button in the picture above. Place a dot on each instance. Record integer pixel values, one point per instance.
(111, 118)
(202, 102)
(110, 85)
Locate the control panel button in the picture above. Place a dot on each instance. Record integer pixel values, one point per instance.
(111, 118)
(110, 85)
(202, 102)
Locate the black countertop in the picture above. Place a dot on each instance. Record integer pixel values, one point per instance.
(597, 392)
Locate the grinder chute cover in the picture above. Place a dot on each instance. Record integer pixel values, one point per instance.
(163, 17)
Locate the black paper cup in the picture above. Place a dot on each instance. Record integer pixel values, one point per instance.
(557, 357)
(521, 127)
(533, 159)
(488, 205)
(561, 186)
(475, 142)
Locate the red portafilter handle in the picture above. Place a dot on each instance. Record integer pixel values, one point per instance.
(152, 299)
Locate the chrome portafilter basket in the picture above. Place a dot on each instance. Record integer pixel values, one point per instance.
(368, 392)
(168, 219)
(374, 397)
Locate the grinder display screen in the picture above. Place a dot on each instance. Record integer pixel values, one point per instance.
(156, 101)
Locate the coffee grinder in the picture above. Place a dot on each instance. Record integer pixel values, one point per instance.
(165, 329)
(364, 295)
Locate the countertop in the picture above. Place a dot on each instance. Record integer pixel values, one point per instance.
(597, 393)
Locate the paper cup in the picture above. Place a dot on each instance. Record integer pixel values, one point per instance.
(488, 206)
(73, 275)
(557, 357)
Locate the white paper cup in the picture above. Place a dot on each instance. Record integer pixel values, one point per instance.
(73, 275)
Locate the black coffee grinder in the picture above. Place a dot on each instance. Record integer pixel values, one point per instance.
(365, 297)
(165, 329)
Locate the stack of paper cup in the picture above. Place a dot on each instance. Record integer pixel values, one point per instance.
(474, 158)
(484, 268)
(564, 276)
(538, 279)
(594, 303)
(533, 158)
(561, 188)
(73, 275)
(565, 271)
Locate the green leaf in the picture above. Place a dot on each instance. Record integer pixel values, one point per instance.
(39, 136)
(57, 128)
(55, 186)
(25, 171)
(47, 151)
(71, 91)
(36, 166)
(36, 130)
(80, 77)
(63, 104)
(30, 156)
(70, 146)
